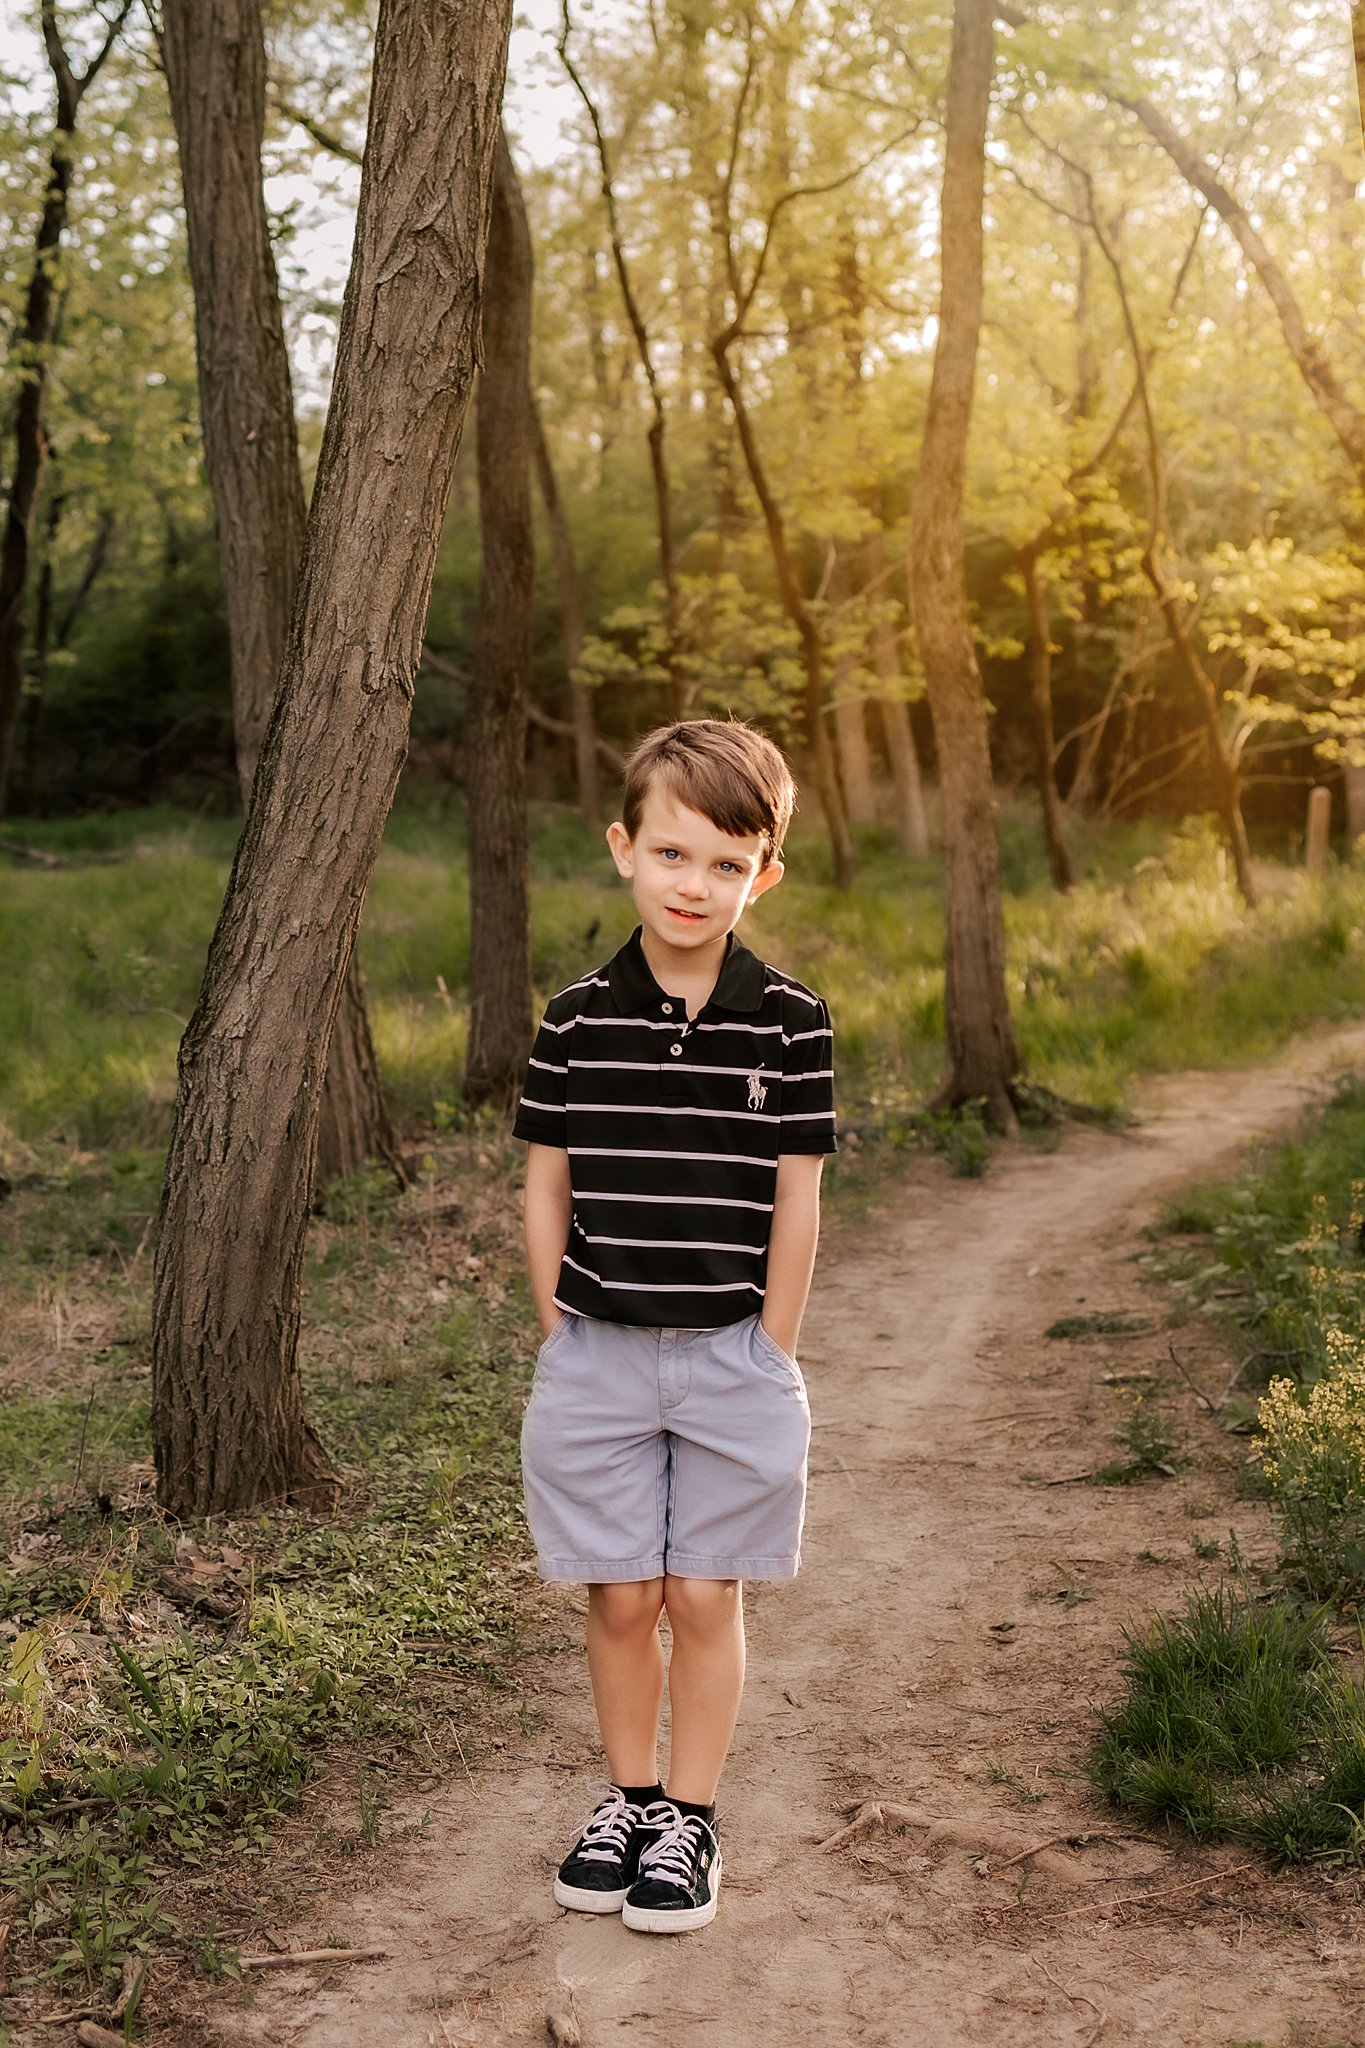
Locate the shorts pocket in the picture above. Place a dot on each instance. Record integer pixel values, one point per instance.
(551, 1342)
(774, 1350)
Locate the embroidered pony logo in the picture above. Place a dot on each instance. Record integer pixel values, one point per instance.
(758, 1094)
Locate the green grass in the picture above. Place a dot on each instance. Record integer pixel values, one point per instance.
(1275, 1254)
(1234, 1722)
(1149, 963)
(184, 1685)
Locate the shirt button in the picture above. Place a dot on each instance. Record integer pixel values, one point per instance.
(675, 1050)
(668, 1009)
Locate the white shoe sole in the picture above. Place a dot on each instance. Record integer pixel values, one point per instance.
(579, 1901)
(674, 1920)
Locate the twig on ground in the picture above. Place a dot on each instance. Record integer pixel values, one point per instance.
(1075, 1997)
(91, 2036)
(134, 1969)
(561, 2024)
(1072, 1478)
(64, 2017)
(311, 1955)
(1052, 1842)
(1146, 1898)
(1180, 1367)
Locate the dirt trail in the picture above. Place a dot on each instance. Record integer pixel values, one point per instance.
(952, 1619)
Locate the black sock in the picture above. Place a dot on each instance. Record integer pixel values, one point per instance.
(686, 1806)
(642, 1795)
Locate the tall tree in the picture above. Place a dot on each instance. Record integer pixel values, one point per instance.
(33, 341)
(228, 1418)
(214, 54)
(565, 557)
(495, 721)
(983, 1059)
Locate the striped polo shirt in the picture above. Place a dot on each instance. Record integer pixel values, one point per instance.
(673, 1127)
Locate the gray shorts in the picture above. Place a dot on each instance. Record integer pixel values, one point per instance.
(646, 1451)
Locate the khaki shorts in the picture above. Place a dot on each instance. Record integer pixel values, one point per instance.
(646, 1451)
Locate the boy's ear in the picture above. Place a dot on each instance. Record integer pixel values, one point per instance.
(622, 852)
(767, 878)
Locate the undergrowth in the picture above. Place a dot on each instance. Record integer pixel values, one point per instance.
(166, 1692)
(1235, 1722)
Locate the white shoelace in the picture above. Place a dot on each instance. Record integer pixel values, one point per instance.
(672, 1853)
(608, 1830)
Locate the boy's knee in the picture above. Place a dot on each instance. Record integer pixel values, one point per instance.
(628, 1609)
(701, 1605)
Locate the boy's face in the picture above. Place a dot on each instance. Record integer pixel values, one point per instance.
(691, 881)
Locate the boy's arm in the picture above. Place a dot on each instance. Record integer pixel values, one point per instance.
(791, 1246)
(547, 1213)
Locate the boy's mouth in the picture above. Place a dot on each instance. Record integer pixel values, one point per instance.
(694, 916)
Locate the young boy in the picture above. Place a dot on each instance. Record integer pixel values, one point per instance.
(678, 1106)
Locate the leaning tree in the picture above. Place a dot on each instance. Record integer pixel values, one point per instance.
(228, 1419)
(983, 1059)
(214, 56)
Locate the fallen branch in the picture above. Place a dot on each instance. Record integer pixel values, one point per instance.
(310, 1955)
(1146, 1898)
(91, 2036)
(1179, 1365)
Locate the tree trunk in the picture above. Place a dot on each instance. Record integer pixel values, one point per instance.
(1044, 738)
(30, 346)
(855, 758)
(799, 612)
(495, 718)
(227, 1409)
(983, 1059)
(1358, 45)
(912, 821)
(570, 626)
(1330, 394)
(658, 427)
(214, 53)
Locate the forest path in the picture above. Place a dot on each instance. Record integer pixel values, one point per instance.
(952, 1620)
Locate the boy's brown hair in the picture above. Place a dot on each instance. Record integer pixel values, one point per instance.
(723, 768)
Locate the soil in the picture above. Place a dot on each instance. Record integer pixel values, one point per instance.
(923, 1692)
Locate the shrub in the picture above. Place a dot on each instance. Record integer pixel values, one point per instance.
(1312, 1449)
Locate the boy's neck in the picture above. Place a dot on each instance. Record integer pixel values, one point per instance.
(692, 975)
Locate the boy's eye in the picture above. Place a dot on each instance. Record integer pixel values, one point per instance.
(730, 867)
(670, 853)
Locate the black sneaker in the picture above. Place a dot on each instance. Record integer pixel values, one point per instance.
(602, 1864)
(679, 1873)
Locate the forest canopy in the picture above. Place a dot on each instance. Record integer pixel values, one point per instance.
(752, 194)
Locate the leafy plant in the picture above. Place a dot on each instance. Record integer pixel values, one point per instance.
(1312, 1450)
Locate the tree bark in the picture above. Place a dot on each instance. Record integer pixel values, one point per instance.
(983, 1059)
(495, 718)
(855, 757)
(912, 820)
(227, 1410)
(214, 54)
(1044, 737)
(1358, 46)
(570, 626)
(30, 347)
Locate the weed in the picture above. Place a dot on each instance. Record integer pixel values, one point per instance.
(1206, 1548)
(1312, 1450)
(1104, 1322)
(1234, 1721)
(1146, 1434)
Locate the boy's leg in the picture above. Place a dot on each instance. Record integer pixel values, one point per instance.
(626, 1664)
(705, 1680)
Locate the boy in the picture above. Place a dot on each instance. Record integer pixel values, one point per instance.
(678, 1105)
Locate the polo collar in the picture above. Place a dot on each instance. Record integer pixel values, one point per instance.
(739, 985)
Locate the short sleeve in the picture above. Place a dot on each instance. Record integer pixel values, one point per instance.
(542, 1116)
(808, 1084)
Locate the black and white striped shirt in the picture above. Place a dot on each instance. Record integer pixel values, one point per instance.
(673, 1127)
